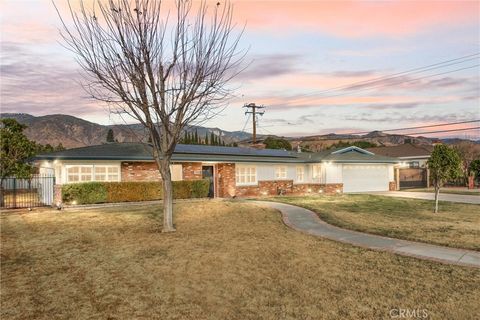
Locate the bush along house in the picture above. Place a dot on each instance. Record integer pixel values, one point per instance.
(231, 172)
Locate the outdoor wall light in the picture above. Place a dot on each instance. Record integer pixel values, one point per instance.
(320, 191)
(337, 191)
(264, 193)
(309, 190)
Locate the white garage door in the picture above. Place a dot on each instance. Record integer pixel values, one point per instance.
(358, 178)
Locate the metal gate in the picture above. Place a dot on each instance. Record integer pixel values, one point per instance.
(413, 178)
(27, 193)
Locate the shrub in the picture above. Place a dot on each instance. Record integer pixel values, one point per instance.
(84, 193)
(98, 192)
(133, 191)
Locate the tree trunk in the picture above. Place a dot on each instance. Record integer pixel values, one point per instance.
(167, 196)
(437, 192)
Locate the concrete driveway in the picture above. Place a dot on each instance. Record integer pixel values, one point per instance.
(474, 199)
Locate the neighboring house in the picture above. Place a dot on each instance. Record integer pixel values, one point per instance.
(413, 171)
(233, 171)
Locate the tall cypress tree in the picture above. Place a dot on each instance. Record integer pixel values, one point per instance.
(196, 141)
(206, 138)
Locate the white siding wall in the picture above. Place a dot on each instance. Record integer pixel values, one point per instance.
(333, 173)
(391, 172)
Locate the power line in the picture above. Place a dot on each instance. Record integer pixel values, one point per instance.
(246, 122)
(419, 127)
(399, 82)
(437, 65)
(440, 131)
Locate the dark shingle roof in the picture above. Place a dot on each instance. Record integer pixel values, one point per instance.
(142, 152)
(404, 150)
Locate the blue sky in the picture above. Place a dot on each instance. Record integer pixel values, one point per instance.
(296, 48)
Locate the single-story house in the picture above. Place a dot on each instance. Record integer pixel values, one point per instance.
(234, 172)
(413, 171)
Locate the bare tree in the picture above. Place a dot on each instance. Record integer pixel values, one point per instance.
(165, 72)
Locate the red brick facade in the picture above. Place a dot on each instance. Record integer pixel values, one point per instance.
(192, 170)
(140, 171)
(148, 171)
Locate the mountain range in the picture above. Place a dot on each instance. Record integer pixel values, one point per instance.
(74, 132)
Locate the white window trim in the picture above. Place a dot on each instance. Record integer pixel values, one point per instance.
(254, 183)
(277, 170)
(303, 174)
(92, 166)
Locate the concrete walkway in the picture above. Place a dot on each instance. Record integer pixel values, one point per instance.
(307, 221)
(460, 198)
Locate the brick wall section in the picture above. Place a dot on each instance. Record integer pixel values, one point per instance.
(57, 194)
(192, 170)
(392, 185)
(140, 171)
(225, 180)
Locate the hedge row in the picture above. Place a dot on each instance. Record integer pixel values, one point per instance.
(101, 192)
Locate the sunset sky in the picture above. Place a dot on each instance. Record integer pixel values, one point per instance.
(298, 50)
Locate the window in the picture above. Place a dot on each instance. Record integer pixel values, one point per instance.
(100, 173)
(245, 175)
(316, 173)
(85, 173)
(414, 164)
(72, 174)
(280, 172)
(300, 174)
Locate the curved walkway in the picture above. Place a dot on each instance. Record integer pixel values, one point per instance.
(307, 221)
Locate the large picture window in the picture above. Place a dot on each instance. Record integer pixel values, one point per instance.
(85, 173)
(245, 175)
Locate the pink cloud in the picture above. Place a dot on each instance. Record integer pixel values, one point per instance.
(357, 18)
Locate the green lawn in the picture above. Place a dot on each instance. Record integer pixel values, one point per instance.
(463, 191)
(457, 225)
(227, 260)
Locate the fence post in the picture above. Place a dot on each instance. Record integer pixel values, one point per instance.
(14, 192)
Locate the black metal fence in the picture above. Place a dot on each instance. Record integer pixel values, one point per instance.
(36, 191)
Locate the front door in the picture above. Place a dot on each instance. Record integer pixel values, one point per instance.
(207, 173)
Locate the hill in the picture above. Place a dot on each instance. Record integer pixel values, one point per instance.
(74, 132)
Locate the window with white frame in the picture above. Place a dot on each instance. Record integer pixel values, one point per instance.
(85, 173)
(245, 174)
(316, 173)
(280, 172)
(300, 177)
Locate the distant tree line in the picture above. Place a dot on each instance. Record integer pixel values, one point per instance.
(210, 140)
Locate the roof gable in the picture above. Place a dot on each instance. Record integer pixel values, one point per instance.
(353, 149)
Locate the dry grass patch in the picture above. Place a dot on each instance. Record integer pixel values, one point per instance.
(456, 225)
(227, 260)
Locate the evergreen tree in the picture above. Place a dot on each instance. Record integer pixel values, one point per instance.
(206, 138)
(212, 139)
(110, 137)
(195, 139)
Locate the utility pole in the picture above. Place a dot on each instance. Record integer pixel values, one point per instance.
(252, 108)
